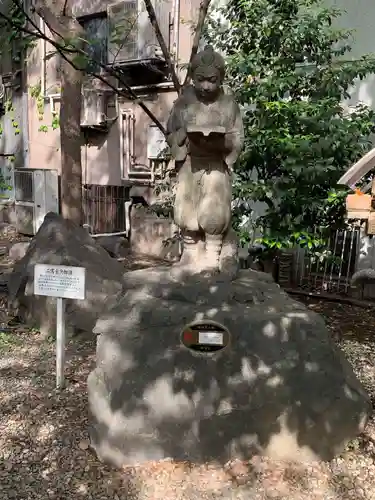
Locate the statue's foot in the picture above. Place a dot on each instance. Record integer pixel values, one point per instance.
(186, 266)
(210, 272)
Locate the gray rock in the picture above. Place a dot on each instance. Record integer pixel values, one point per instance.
(4, 279)
(282, 388)
(363, 276)
(116, 246)
(61, 242)
(18, 250)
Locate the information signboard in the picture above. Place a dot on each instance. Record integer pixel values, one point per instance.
(62, 282)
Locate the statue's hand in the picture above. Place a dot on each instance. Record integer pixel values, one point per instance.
(229, 143)
(177, 138)
(180, 136)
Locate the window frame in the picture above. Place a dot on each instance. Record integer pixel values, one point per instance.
(92, 66)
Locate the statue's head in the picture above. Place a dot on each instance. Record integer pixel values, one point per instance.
(207, 71)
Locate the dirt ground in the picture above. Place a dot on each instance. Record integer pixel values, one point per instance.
(44, 446)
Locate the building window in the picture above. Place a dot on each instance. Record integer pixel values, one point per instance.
(96, 28)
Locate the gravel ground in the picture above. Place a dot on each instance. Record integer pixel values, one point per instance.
(44, 446)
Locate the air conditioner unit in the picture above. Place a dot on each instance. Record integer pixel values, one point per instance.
(131, 37)
(94, 109)
(36, 194)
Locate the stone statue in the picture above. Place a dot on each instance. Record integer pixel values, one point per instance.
(237, 420)
(205, 134)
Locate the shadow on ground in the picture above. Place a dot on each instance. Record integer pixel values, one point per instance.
(44, 441)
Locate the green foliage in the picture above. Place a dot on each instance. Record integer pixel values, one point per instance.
(285, 64)
(12, 38)
(165, 191)
(122, 30)
(9, 109)
(55, 124)
(36, 94)
(14, 48)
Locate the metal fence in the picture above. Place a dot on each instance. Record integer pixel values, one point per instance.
(104, 208)
(326, 268)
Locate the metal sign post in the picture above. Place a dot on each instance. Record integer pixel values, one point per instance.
(62, 282)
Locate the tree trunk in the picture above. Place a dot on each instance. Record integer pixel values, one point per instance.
(71, 141)
(202, 14)
(62, 24)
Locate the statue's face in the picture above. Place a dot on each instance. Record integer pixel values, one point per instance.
(207, 82)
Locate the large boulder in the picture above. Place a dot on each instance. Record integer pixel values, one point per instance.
(281, 387)
(61, 242)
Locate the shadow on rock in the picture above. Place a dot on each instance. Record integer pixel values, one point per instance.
(282, 388)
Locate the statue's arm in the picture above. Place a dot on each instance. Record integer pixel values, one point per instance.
(234, 138)
(176, 130)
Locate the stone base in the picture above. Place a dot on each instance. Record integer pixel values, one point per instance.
(281, 388)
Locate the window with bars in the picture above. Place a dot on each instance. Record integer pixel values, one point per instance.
(96, 46)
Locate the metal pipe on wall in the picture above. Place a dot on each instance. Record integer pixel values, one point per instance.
(128, 205)
(176, 35)
(99, 235)
(43, 53)
(129, 142)
(25, 108)
(25, 129)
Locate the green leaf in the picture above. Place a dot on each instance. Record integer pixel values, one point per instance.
(286, 65)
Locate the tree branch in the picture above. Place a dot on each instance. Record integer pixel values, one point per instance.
(203, 9)
(56, 28)
(65, 8)
(154, 22)
(120, 47)
(129, 93)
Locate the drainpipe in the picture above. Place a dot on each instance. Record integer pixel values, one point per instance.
(25, 129)
(100, 235)
(176, 29)
(43, 52)
(128, 205)
(25, 108)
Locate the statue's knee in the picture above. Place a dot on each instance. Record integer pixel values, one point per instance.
(214, 222)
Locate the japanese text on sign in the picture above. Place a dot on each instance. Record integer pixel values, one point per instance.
(59, 271)
(59, 281)
(211, 338)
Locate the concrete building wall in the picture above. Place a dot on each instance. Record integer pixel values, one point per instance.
(101, 153)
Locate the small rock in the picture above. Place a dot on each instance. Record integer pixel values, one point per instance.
(84, 444)
(18, 250)
(239, 471)
(4, 278)
(8, 230)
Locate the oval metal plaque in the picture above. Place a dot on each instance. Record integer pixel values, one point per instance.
(205, 336)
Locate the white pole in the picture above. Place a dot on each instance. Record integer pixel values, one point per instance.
(60, 342)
